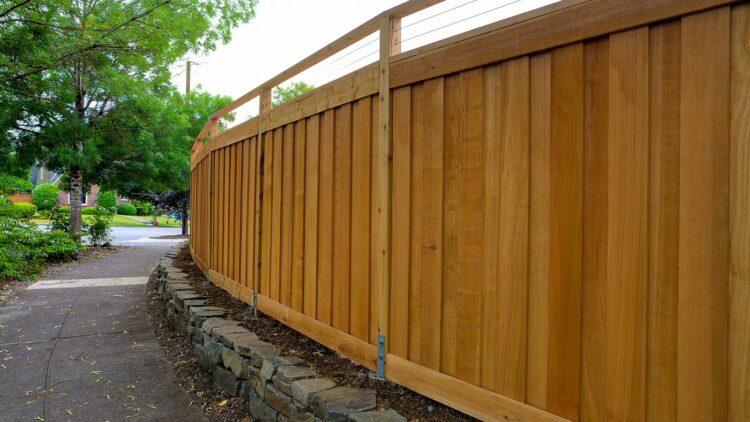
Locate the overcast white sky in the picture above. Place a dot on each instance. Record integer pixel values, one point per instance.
(286, 31)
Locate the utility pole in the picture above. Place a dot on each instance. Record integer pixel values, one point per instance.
(187, 78)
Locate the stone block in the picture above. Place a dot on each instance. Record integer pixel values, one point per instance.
(246, 390)
(338, 403)
(257, 383)
(389, 415)
(194, 302)
(228, 340)
(211, 323)
(303, 389)
(182, 295)
(200, 356)
(213, 351)
(225, 379)
(219, 333)
(286, 375)
(256, 350)
(279, 401)
(304, 417)
(178, 276)
(270, 365)
(261, 411)
(198, 314)
(239, 365)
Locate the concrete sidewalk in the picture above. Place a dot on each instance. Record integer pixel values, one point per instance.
(78, 347)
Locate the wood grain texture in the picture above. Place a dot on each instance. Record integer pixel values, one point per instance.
(462, 235)
(325, 218)
(739, 305)
(276, 215)
(359, 316)
(426, 292)
(566, 231)
(539, 217)
(568, 25)
(466, 397)
(595, 208)
(287, 215)
(627, 237)
(664, 116)
(298, 228)
(265, 261)
(505, 243)
(399, 321)
(342, 209)
(312, 171)
(703, 232)
(375, 271)
(245, 192)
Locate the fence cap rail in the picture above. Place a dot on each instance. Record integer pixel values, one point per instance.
(357, 34)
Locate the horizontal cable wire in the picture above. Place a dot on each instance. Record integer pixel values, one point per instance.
(436, 15)
(460, 20)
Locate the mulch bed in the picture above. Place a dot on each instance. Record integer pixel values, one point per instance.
(326, 362)
(9, 289)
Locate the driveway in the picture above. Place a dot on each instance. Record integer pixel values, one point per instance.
(129, 236)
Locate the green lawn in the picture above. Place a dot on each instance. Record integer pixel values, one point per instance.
(128, 221)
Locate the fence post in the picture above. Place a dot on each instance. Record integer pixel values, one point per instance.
(390, 44)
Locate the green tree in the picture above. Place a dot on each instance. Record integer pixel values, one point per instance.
(11, 185)
(282, 94)
(80, 79)
(45, 195)
(107, 200)
(160, 162)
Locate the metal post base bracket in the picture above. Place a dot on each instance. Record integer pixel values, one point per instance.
(381, 357)
(255, 304)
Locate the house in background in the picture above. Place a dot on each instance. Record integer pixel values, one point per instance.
(39, 175)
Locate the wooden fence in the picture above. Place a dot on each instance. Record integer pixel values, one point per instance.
(547, 218)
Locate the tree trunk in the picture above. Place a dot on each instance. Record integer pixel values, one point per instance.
(184, 217)
(76, 192)
(76, 174)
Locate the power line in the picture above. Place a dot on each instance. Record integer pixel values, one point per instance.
(460, 20)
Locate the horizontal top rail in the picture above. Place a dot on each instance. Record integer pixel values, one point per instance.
(357, 34)
(422, 60)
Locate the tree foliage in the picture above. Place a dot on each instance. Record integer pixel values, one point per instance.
(45, 195)
(81, 82)
(282, 94)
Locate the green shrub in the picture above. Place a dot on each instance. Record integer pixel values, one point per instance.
(24, 209)
(24, 248)
(45, 195)
(107, 200)
(60, 218)
(143, 207)
(99, 228)
(18, 210)
(89, 211)
(126, 209)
